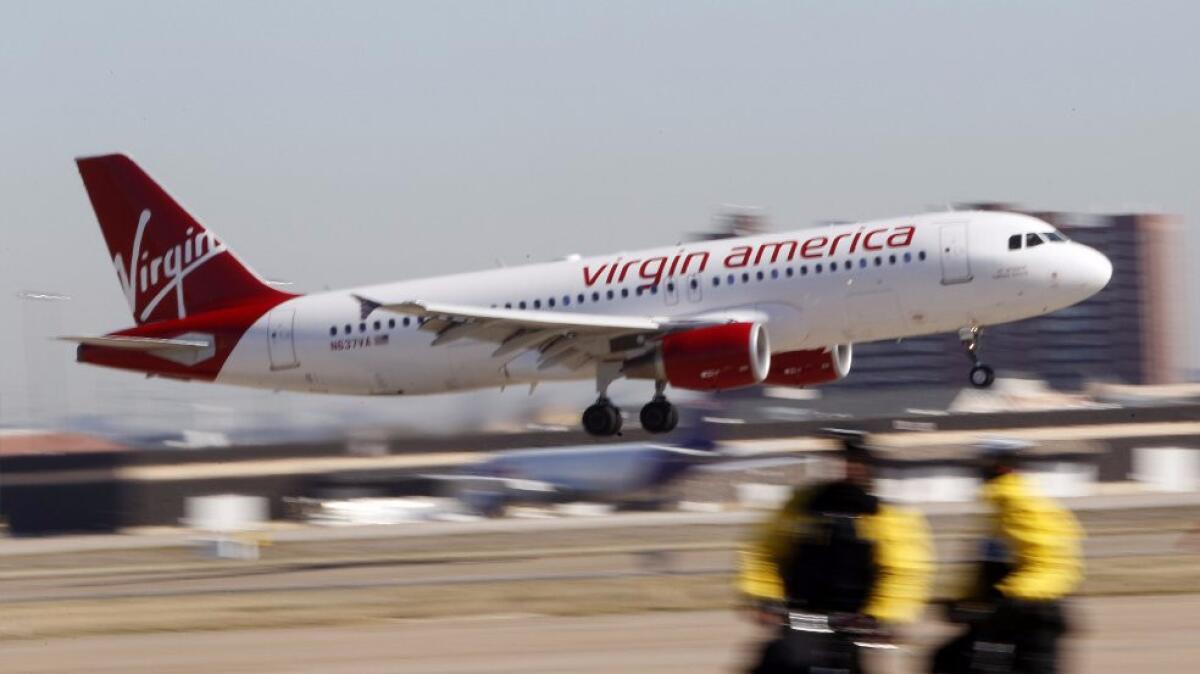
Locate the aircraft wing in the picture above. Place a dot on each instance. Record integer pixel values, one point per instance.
(571, 339)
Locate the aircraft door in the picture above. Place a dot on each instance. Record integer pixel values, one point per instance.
(281, 339)
(695, 289)
(956, 263)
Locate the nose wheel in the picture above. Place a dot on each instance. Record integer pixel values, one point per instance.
(981, 375)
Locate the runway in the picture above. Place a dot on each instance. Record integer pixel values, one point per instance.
(1118, 635)
(333, 572)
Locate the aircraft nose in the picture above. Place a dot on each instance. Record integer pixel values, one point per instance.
(1094, 270)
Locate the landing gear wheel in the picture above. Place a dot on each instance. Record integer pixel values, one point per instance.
(602, 419)
(659, 416)
(982, 376)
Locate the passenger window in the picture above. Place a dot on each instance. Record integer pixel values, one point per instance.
(507, 305)
(566, 300)
(862, 264)
(610, 294)
(1032, 240)
(745, 277)
(624, 292)
(832, 266)
(891, 259)
(878, 261)
(817, 268)
(595, 297)
(639, 290)
(774, 273)
(391, 323)
(333, 331)
(362, 327)
(731, 279)
(759, 275)
(537, 304)
(789, 271)
(521, 304)
(378, 325)
(716, 281)
(921, 256)
(908, 257)
(804, 270)
(580, 298)
(347, 328)
(694, 284)
(1014, 242)
(407, 321)
(550, 302)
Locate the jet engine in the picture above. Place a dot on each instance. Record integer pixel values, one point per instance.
(714, 358)
(810, 367)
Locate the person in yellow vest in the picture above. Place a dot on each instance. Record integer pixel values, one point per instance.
(834, 548)
(1031, 560)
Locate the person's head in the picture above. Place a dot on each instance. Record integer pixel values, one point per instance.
(998, 456)
(856, 455)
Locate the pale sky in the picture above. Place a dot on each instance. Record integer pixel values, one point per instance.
(335, 143)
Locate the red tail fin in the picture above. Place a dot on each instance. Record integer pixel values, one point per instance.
(168, 264)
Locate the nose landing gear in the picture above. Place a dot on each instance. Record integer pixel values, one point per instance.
(981, 375)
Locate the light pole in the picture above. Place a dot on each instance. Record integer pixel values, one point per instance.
(45, 376)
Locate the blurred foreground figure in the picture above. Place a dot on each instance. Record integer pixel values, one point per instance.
(834, 571)
(1030, 561)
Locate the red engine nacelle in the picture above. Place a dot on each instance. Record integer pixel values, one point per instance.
(809, 368)
(708, 359)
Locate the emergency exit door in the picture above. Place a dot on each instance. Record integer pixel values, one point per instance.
(956, 263)
(281, 339)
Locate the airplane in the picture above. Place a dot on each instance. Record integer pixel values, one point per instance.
(782, 309)
(621, 472)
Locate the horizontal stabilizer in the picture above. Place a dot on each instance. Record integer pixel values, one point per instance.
(141, 343)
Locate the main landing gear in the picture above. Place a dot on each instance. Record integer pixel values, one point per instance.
(604, 418)
(981, 376)
(659, 415)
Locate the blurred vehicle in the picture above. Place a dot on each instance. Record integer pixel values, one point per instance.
(782, 308)
(623, 474)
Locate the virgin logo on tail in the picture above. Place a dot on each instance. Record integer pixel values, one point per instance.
(144, 273)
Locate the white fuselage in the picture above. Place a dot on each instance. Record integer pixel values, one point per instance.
(955, 270)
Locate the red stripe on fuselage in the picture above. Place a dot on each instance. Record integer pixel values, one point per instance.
(227, 326)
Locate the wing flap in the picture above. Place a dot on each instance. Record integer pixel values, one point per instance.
(577, 322)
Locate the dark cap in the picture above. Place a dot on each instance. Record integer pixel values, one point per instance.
(854, 444)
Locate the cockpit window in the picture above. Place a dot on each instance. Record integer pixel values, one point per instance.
(1032, 239)
(1014, 242)
(1055, 237)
